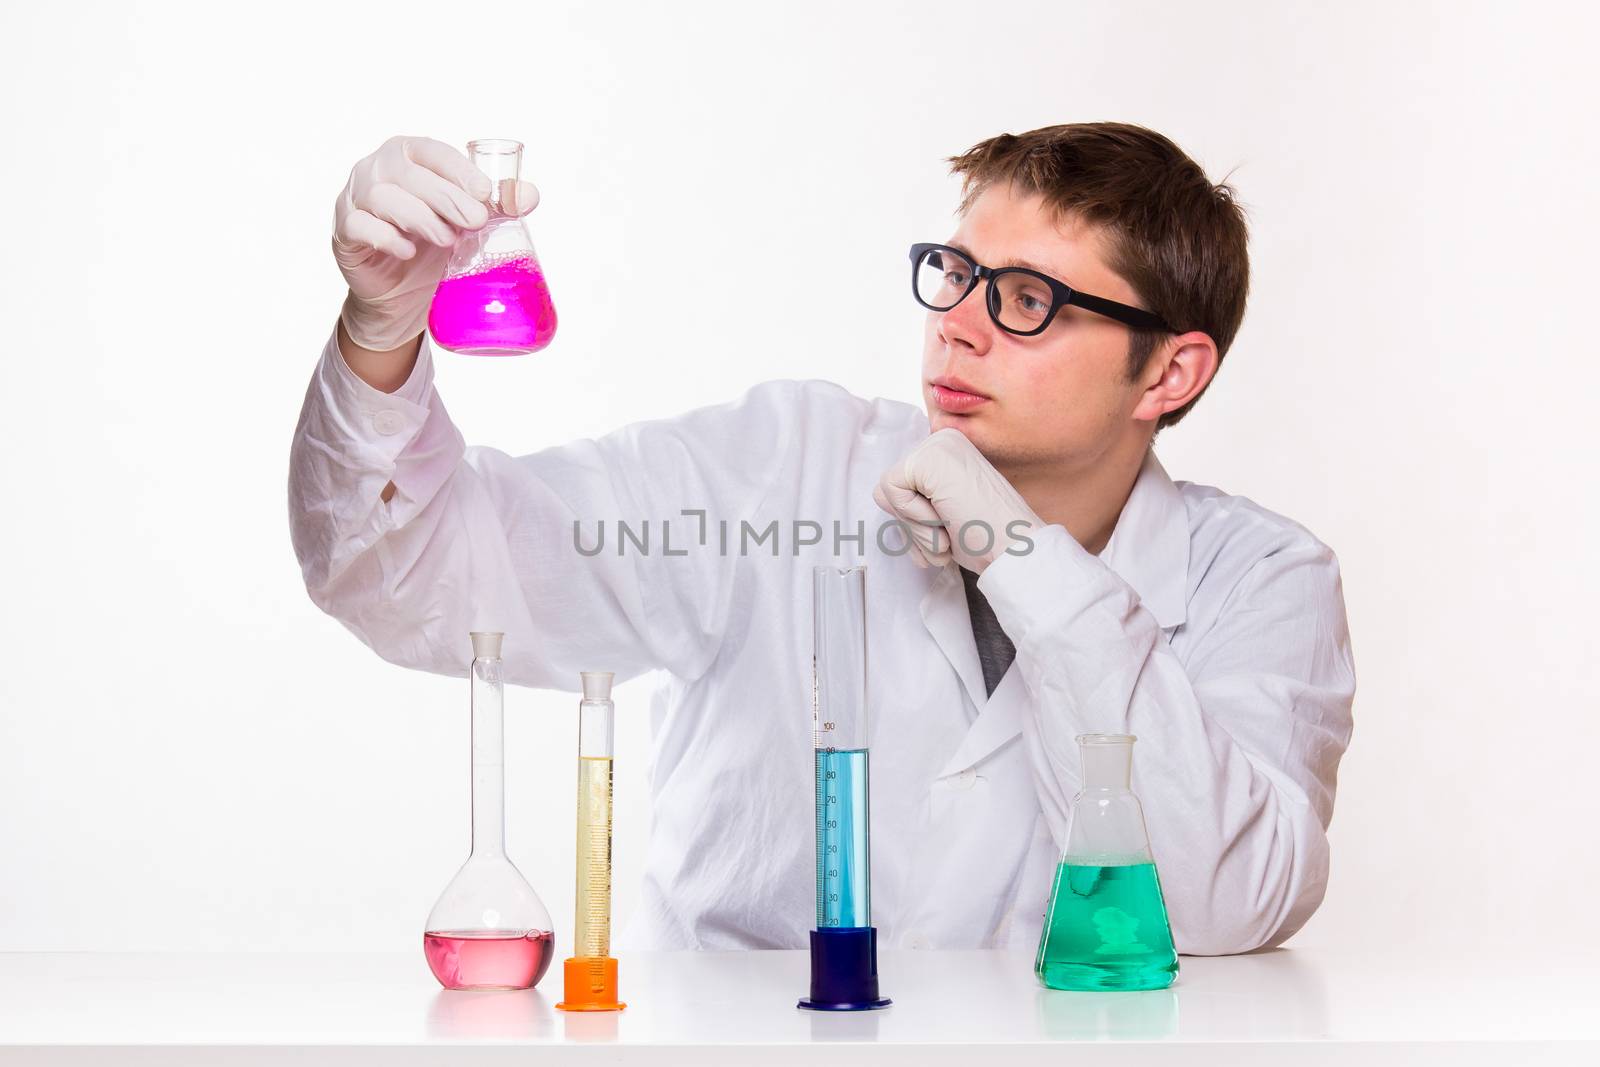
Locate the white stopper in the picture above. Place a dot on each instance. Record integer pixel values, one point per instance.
(596, 684)
(486, 644)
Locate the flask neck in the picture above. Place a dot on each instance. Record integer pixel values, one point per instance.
(501, 160)
(1107, 761)
(488, 758)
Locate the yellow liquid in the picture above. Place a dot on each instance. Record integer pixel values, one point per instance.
(592, 936)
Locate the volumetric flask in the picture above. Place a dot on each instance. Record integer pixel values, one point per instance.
(493, 300)
(844, 946)
(489, 929)
(1106, 927)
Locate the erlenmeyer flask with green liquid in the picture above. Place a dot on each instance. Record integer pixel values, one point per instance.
(1106, 927)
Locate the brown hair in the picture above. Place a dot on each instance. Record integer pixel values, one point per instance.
(1176, 238)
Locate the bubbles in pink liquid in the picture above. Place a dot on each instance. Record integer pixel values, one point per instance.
(488, 959)
(503, 309)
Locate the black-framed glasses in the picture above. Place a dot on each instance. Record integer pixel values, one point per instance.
(1020, 301)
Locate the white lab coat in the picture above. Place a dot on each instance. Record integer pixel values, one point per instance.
(1209, 627)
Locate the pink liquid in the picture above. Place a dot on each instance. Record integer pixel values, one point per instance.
(502, 310)
(488, 959)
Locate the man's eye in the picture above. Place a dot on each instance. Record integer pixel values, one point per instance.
(955, 278)
(1032, 304)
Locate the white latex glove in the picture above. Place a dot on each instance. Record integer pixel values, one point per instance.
(951, 500)
(393, 228)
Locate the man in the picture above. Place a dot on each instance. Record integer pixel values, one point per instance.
(1057, 582)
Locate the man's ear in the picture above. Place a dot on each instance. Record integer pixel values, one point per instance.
(1178, 370)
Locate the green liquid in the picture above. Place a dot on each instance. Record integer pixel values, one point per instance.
(1106, 929)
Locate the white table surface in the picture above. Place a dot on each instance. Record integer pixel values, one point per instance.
(1287, 1005)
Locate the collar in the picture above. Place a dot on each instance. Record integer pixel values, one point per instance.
(1149, 547)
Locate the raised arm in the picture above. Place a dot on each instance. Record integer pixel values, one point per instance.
(474, 538)
(412, 539)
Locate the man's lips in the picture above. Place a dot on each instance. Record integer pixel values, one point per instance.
(956, 396)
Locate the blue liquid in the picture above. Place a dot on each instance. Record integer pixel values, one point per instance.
(844, 894)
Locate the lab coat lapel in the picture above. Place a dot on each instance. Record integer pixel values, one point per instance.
(948, 619)
(998, 722)
(1148, 549)
(944, 613)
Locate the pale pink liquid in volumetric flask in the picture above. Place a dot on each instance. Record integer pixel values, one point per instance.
(488, 959)
(504, 309)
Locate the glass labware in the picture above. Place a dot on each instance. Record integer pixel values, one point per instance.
(844, 946)
(1106, 927)
(590, 974)
(493, 299)
(489, 929)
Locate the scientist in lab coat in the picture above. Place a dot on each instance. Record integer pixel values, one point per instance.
(1055, 580)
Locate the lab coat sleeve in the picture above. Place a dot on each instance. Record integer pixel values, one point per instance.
(476, 539)
(1238, 747)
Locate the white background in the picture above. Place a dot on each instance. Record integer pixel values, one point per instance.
(193, 757)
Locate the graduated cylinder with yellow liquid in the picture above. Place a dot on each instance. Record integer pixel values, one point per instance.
(590, 975)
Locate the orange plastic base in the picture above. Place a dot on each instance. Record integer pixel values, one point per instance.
(590, 984)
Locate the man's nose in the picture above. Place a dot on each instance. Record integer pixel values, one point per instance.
(968, 323)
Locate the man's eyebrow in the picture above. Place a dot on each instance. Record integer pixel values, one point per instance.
(1006, 263)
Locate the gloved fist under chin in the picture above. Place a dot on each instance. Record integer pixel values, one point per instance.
(955, 505)
(393, 227)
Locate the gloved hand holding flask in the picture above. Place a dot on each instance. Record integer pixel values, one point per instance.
(399, 217)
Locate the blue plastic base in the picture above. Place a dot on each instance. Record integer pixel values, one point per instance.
(844, 970)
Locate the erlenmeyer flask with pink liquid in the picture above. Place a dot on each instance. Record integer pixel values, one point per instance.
(493, 300)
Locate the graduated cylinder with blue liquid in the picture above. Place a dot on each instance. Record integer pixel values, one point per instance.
(844, 946)
(844, 890)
